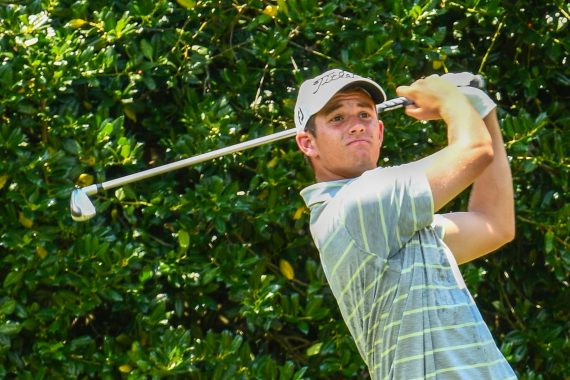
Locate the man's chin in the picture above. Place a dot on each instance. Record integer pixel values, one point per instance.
(358, 170)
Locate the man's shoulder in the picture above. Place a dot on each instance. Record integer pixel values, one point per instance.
(321, 192)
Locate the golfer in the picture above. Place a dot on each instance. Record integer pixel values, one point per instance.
(391, 262)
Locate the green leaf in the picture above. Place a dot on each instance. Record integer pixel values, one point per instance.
(10, 328)
(299, 375)
(314, 349)
(80, 342)
(6, 74)
(13, 278)
(71, 146)
(183, 239)
(146, 48)
(7, 306)
(111, 295)
(149, 81)
(548, 241)
(125, 150)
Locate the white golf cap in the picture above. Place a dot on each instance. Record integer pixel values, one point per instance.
(315, 93)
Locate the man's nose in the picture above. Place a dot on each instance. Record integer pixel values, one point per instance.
(356, 126)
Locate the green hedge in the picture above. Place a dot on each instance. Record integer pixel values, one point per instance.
(209, 272)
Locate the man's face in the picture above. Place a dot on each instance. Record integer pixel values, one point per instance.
(348, 137)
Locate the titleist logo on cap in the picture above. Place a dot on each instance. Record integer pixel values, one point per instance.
(300, 116)
(331, 77)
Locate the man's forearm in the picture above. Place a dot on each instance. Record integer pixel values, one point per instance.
(454, 168)
(492, 193)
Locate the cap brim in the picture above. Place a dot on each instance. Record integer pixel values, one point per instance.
(375, 93)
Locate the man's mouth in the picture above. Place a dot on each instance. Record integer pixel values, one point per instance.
(358, 142)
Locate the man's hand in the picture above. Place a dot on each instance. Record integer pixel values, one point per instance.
(434, 98)
(472, 86)
(479, 99)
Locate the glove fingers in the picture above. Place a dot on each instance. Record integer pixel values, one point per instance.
(459, 79)
(482, 103)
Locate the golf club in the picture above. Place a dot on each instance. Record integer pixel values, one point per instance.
(82, 208)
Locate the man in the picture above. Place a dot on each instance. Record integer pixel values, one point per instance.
(392, 264)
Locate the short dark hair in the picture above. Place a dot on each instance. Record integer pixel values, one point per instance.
(311, 126)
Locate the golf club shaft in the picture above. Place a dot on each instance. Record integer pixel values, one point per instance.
(95, 188)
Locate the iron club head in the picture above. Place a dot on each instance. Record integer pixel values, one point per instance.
(81, 207)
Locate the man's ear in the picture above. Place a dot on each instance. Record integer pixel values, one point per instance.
(381, 127)
(306, 143)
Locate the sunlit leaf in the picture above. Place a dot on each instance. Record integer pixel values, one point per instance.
(131, 114)
(183, 239)
(271, 10)
(3, 180)
(77, 23)
(41, 252)
(25, 221)
(315, 349)
(84, 179)
(188, 4)
(286, 269)
(299, 212)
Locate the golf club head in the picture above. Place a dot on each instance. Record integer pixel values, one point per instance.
(81, 207)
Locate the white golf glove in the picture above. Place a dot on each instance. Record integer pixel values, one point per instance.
(479, 99)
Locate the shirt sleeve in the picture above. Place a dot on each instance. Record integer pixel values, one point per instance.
(438, 225)
(385, 207)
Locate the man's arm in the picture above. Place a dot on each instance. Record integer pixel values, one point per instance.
(489, 222)
(469, 151)
(475, 154)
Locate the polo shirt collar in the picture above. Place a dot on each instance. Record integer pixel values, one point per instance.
(322, 192)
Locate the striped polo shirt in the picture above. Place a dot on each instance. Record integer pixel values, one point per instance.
(396, 283)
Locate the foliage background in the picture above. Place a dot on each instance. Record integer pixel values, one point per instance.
(209, 272)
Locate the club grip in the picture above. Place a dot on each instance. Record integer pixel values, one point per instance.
(477, 81)
(391, 104)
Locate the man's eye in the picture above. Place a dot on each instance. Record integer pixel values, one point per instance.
(364, 115)
(337, 118)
